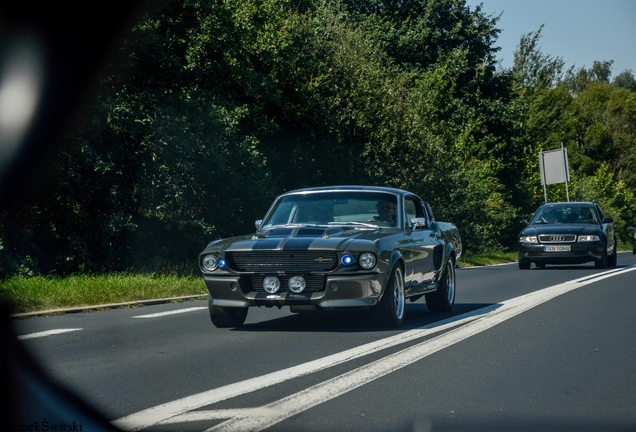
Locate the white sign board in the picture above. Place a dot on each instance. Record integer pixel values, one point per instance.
(554, 166)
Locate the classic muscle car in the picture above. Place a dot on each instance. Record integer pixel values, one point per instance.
(568, 233)
(335, 247)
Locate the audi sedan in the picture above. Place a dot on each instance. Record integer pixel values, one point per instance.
(568, 233)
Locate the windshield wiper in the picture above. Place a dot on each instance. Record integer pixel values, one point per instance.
(367, 225)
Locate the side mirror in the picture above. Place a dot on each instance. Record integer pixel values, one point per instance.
(525, 221)
(608, 220)
(258, 223)
(419, 223)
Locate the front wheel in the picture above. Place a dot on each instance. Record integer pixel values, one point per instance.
(226, 316)
(443, 299)
(390, 310)
(611, 261)
(524, 265)
(602, 264)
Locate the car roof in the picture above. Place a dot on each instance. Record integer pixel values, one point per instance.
(351, 188)
(568, 204)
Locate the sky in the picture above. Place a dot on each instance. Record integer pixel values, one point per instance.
(578, 31)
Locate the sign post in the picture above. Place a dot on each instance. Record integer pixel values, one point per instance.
(553, 166)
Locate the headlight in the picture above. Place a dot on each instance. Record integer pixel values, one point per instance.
(588, 238)
(528, 239)
(367, 260)
(210, 263)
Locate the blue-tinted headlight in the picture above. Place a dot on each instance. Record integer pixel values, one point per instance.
(221, 262)
(346, 260)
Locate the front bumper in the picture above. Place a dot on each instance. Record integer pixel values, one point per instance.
(338, 291)
(579, 253)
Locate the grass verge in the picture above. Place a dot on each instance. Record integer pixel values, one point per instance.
(31, 294)
(469, 260)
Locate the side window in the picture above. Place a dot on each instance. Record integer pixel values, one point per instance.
(410, 211)
(601, 215)
(428, 210)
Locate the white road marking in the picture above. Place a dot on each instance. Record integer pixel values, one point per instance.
(46, 333)
(179, 311)
(263, 417)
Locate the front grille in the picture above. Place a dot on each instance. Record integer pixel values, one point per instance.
(557, 238)
(314, 283)
(280, 261)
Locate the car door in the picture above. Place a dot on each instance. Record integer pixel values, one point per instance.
(419, 254)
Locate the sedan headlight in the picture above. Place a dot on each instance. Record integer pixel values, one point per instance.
(367, 260)
(210, 263)
(528, 239)
(588, 238)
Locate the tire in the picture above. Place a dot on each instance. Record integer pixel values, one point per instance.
(443, 299)
(226, 316)
(524, 265)
(611, 261)
(602, 264)
(390, 310)
(540, 265)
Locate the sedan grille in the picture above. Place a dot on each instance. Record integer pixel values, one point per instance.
(557, 238)
(280, 261)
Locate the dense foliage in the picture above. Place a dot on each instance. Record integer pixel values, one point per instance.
(209, 109)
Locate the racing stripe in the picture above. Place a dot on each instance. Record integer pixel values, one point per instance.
(267, 243)
(298, 243)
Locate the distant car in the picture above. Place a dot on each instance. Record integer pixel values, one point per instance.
(568, 233)
(335, 247)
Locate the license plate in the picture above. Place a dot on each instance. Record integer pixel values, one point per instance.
(560, 248)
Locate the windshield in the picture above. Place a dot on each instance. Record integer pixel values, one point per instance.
(334, 208)
(563, 215)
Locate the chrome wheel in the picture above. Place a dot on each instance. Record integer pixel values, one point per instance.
(449, 275)
(398, 294)
(390, 309)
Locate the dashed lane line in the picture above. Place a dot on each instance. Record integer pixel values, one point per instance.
(46, 333)
(174, 312)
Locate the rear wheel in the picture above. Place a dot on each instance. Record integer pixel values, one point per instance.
(390, 310)
(443, 299)
(226, 316)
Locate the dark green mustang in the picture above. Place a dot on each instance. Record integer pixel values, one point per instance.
(335, 247)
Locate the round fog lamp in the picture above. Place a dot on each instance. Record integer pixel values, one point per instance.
(297, 284)
(346, 260)
(271, 284)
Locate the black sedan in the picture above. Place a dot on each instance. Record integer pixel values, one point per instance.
(335, 247)
(568, 233)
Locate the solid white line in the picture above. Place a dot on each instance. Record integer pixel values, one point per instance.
(154, 415)
(179, 311)
(474, 323)
(45, 333)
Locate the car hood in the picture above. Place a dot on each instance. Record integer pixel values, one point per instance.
(300, 238)
(576, 229)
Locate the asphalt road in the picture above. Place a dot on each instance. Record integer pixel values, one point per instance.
(537, 349)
